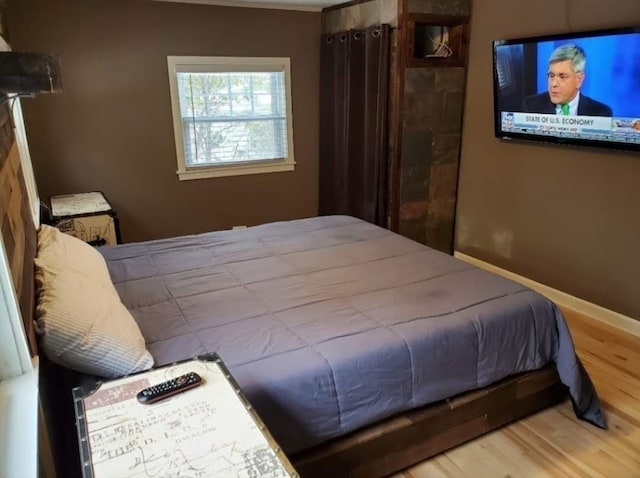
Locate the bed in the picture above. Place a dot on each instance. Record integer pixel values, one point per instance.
(331, 324)
(362, 351)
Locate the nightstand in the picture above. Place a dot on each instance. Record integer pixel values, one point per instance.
(87, 216)
(207, 431)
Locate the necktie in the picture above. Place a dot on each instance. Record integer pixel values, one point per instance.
(564, 107)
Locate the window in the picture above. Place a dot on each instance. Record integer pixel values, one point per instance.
(231, 115)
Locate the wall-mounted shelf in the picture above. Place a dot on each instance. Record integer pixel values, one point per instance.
(29, 73)
(436, 40)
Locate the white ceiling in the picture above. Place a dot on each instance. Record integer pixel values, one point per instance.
(304, 5)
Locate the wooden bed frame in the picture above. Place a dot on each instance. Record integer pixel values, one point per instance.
(409, 438)
(375, 451)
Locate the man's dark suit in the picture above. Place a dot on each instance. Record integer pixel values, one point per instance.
(586, 106)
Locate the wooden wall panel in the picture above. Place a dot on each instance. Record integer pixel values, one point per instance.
(16, 224)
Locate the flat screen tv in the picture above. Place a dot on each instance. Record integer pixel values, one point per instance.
(577, 88)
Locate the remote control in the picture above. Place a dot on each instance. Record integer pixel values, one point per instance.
(169, 388)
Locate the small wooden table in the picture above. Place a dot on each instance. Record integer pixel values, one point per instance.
(208, 431)
(87, 216)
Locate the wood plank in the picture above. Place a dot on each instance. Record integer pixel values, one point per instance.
(17, 229)
(382, 449)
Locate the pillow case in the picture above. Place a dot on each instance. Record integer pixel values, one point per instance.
(62, 251)
(81, 321)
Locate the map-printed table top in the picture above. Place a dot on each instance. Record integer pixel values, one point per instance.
(81, 203)
(208, 431)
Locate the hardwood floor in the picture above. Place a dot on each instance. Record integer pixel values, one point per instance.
(554, 443)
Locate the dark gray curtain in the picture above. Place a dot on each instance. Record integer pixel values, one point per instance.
(353, 124)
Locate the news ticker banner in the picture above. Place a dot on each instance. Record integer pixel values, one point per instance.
(582, 125)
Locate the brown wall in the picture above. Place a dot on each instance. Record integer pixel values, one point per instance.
(563, 216)
(111, 129)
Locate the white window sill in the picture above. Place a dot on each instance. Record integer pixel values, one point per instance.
(236, 170)
(19, 425)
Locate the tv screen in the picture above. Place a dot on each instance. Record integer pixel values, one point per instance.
(578, 88)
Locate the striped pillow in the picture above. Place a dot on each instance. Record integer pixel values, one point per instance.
(82, 323)
(56, 249)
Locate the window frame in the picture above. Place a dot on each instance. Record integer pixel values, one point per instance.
(15, 359)
(228, 64)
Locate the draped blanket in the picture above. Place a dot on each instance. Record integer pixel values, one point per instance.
(331, 323)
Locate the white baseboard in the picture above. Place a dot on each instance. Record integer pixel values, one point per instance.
(563, 299)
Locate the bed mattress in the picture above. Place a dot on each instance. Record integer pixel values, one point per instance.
(331, 323)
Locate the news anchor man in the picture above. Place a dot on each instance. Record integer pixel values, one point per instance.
(564, 79)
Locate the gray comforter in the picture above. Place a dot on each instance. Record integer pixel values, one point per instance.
(331, 323)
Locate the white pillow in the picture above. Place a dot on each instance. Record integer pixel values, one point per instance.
(59, 250)
(80, 319)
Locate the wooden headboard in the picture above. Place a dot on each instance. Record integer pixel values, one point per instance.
(16, 224)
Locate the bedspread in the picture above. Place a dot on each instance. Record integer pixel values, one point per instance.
(331, 323)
